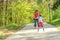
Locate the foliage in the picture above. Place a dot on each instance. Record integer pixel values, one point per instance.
(1, 37)
(11, 27)
(15, 14)
(56, 4)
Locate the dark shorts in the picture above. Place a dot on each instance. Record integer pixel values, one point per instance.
(35, 20)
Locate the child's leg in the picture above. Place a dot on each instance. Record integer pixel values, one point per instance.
(43, 28)
(42, 25)
(38, 26)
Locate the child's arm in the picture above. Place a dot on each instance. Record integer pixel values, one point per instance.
(43, 19)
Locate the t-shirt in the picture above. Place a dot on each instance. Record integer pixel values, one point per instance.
(40, 19)
(36, 15)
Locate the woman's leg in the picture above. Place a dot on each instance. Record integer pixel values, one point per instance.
(35, 23)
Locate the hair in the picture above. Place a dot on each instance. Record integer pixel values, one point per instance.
(40, 15)
(36, 10)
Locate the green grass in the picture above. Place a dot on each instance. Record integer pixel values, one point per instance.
(1, 36)
(58, 27)
(7, 30)
(5, 33)
(56, 22)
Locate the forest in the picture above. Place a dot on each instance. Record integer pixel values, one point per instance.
(15, 14)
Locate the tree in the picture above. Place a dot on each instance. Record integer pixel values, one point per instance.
(56, 4)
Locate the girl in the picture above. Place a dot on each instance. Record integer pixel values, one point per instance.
(40, 22)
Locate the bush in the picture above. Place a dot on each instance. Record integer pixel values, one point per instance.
(12, 27)
(1, 37)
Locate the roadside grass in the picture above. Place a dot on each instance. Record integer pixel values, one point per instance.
(5, 33)
(8, 30)
(58, 27)
(56, 23)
